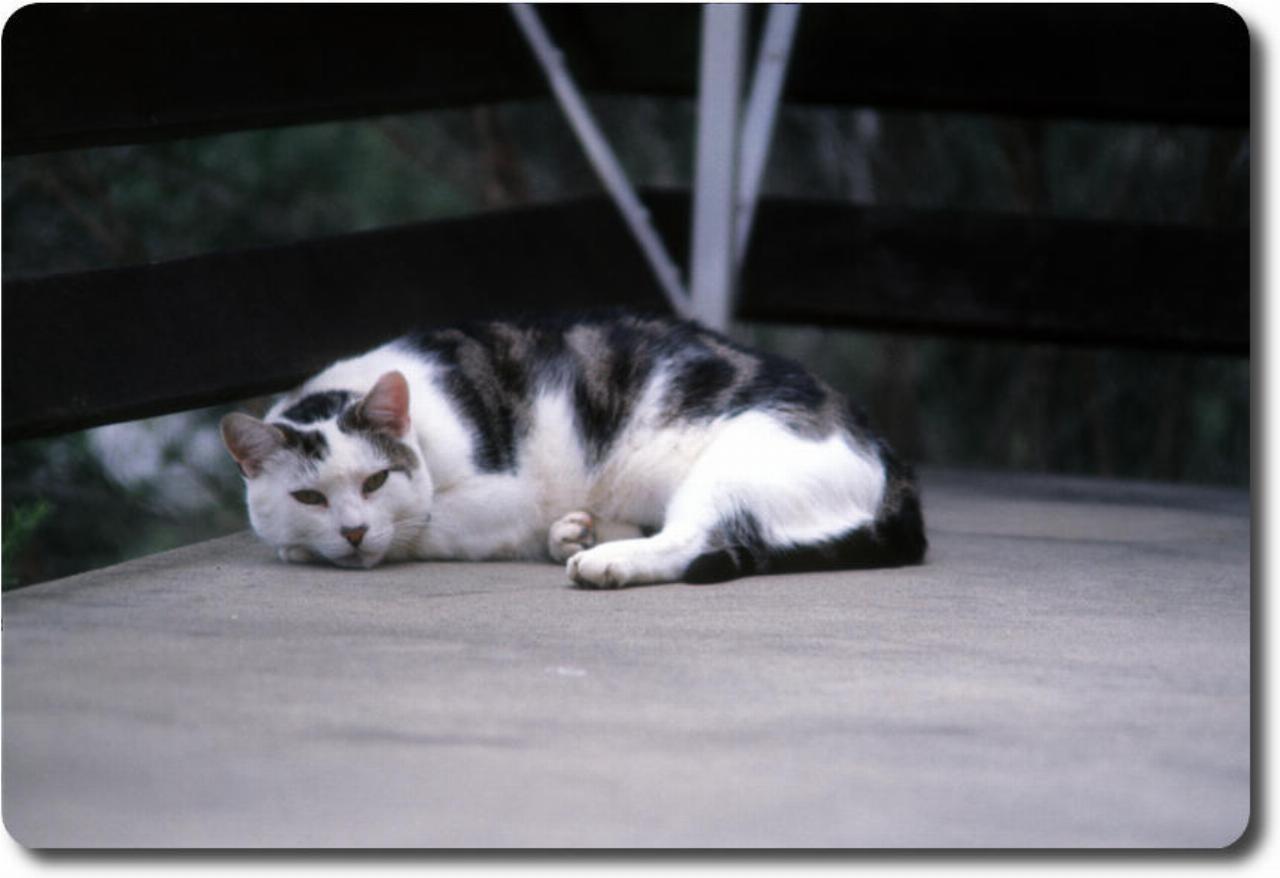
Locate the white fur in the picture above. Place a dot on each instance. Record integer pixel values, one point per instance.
(680, 480)
(395, 514)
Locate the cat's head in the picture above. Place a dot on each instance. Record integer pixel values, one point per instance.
(350, 488)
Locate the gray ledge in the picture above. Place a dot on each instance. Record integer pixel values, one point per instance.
(1070, 668)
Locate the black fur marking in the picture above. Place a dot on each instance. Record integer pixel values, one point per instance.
(718, 377)
(488, 381)
(492, 372)
(855, 420)
(780, 383)
(318, 406)
(899, 520)
(737, 550)
(601, 412)
(610, 366)
(396, 453)
(699, 385)
(310, 444)
(495, 427)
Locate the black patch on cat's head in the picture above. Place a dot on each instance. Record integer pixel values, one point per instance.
(310, 444)
(398, 455)
(318, 406)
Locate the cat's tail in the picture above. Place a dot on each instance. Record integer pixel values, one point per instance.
(894, 538)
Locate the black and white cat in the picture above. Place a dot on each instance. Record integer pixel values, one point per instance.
(636, 449)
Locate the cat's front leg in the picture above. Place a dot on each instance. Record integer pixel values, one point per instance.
(295, 555)
(484, 518)
(570, 535)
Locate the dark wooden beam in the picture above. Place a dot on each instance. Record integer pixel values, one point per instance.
(105, 346)
(97, 347)
(77, 75)
(1000, 276)
(1170, 63)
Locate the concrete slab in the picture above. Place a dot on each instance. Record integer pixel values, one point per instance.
(1071, 668)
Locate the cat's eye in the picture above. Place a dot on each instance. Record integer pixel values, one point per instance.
(311, 498)
(375, 481)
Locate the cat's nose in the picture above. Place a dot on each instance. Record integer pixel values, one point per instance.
(354, 534)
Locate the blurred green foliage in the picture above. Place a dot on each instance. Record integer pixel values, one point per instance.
(20, 523)
(86, 500)
(71, 503)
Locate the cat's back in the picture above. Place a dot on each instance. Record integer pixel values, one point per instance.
(613, 371)
(616, 366)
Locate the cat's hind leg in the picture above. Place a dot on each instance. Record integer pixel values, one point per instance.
(631, 562)
(758, 487)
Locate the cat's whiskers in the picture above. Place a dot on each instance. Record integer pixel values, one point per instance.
(404, 531)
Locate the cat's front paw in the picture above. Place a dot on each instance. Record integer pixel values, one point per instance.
(571, 535)
(295, 555)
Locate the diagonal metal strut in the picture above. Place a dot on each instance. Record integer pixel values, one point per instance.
(730, 154)
(602, 157)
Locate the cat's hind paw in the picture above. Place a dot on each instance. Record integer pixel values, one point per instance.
(570, 535)
(595, 569)
(613, 565)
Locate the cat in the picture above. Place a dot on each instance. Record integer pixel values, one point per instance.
(632, 448)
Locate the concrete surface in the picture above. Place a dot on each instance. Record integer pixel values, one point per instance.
(1071, 668)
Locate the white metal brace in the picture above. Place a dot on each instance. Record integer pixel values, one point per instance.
(601, 156)
(729, 161)
(715, 169)
(762, 113)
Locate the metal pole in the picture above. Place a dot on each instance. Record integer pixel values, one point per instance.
(715, 167)
(601, 156)
(761, 113)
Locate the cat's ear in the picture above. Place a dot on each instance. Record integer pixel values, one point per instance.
(386, 406)
(250, 441)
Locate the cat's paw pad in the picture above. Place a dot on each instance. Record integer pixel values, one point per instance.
(571, 535)
(602, 567)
